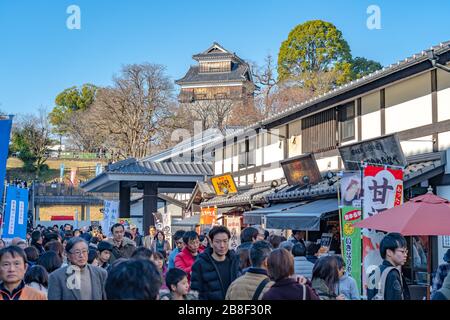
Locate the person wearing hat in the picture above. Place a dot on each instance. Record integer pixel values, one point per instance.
(441, 272)
(104, 249)
(137, 238)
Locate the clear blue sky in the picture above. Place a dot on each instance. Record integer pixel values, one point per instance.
(39, 56)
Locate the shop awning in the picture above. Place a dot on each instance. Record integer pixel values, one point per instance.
(255, 216)
(305, 217)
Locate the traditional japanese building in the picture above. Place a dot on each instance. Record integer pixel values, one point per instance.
(219, 74)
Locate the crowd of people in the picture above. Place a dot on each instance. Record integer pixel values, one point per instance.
(60, 263)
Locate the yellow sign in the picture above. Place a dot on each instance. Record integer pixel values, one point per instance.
(348, 229)
(208, 215)
(224, 184)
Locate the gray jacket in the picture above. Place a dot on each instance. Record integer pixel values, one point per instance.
(347, 286)
(58, 284)
(303, 267)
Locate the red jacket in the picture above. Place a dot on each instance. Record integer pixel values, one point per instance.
(184, 261)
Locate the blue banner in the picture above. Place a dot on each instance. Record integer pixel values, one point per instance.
(16, 213)
(61, 172)
(5, 132)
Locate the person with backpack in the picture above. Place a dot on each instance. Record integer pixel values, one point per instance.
(390, 284)
(255, 282)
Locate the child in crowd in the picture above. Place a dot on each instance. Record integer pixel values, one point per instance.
(177, 282)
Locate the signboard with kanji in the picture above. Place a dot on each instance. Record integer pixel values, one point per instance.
(208, 215)
(382, 151)
(224, 184)
(383, 189)
(351, 190)
(233, 223)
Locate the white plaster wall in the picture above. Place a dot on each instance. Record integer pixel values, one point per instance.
(371, 125)
(273, 153)
(444, 141)
(228, 159)
(260, 149)
(273, 174)
(259, 177)
(418, 145)
(329, 163)
(408, 104)
(370, 116)
(443, 95)
(218, 162)
(235, 163)
(295, 133)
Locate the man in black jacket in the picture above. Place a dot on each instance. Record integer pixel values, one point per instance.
(394, 253)
(216, 267)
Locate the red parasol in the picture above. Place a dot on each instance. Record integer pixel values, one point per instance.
(425, 215)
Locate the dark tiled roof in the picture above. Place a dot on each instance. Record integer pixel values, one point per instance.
(246, 195)
(213, 56)
(133, 166)
(194, 76)
(418, 165)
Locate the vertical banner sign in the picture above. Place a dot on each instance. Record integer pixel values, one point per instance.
(351, 189)
(383, 189)
(163, 223)
(5, 132)
(167, 226)
(73, 176)
(110, 216)
(234, 225)
(16, 213)
(61, 172)
(208, 215)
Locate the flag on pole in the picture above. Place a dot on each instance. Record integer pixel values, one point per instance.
(5, 132)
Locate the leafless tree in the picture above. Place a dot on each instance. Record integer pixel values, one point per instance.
(83, 132)
(129, 112)
(265, 80)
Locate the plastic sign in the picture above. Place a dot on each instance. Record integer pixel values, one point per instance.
(224, 184)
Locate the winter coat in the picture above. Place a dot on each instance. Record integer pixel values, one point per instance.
(205, 276)
(396, 287)
(23, 291)
(185, 260)
(347, 286)
(59, 290)
(289, 289)
(125, 250)
(303, 267)
(322, 290)
(165, 246)
(244, 287)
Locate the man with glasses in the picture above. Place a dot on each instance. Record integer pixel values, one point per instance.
(186, 258)
(79, 280)
(216, 268)
(179, 245)
(390, 284)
